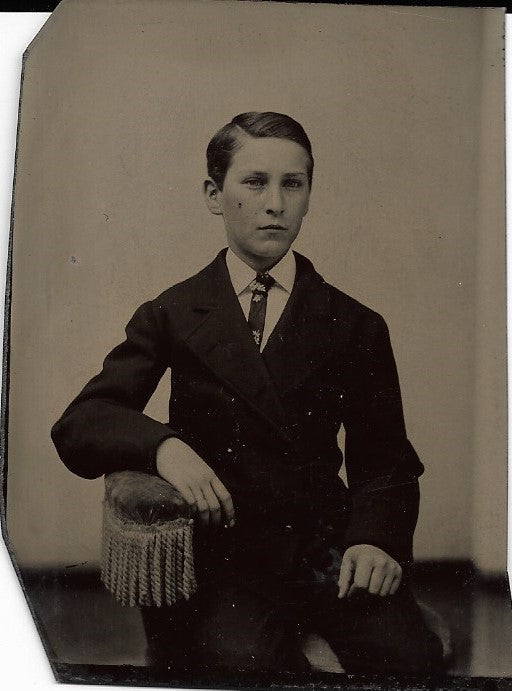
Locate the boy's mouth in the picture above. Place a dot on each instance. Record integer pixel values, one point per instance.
(273, 226)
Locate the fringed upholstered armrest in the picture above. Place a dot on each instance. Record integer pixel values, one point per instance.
(147, 554)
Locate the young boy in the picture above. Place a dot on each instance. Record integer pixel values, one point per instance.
(267, 361)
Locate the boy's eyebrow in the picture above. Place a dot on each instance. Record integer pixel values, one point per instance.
(250, 171)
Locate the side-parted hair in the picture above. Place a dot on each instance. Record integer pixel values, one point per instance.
(227, 140)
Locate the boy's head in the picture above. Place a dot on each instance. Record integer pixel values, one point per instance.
(260, 170)
(230, 138)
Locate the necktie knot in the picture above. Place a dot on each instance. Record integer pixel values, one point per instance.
(262, 283)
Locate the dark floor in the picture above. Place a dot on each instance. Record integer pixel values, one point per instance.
(82, 623)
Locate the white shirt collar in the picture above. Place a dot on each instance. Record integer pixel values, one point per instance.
(241, 274)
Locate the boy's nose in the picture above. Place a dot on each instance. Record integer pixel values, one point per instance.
(274, 201)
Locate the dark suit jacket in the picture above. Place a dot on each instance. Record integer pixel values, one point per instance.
(266, 423)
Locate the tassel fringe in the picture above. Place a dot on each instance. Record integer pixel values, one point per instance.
(147, 565)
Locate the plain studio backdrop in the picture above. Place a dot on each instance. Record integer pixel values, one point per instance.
(405, 111)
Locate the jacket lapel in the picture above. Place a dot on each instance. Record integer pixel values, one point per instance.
(306, 335)
(222, 340)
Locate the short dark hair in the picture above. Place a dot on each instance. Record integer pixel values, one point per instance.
(226, 141)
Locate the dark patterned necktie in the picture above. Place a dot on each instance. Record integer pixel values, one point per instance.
(259, 287)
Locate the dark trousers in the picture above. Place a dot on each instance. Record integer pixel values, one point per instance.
(239, 629)
(254, 620)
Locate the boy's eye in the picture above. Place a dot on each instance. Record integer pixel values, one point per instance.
(255, 182)
(294, 184)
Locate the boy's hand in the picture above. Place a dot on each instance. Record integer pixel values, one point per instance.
(366, 567)
(177, 463)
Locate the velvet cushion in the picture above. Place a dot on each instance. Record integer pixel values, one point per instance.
(144, 498)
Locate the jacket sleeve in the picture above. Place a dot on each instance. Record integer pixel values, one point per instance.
(382, 466)
(104, 428)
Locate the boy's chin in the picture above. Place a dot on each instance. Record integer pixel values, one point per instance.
(272, 250)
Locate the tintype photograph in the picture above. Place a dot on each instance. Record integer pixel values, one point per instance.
(255, 412)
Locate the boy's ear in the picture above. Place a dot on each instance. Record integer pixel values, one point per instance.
(211, 195)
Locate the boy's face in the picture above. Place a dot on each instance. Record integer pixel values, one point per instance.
(264, 199)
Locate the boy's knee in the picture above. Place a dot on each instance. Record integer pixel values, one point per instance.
(390, 636)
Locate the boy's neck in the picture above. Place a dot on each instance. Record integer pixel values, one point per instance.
(259, 266)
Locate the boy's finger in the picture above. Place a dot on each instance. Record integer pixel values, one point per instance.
(362, 575)
(386, 586)
(376, 581)
(225, 500)
(395, 585)
(352, 590)
(345, 578)
(213, 504)
(203, 510)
